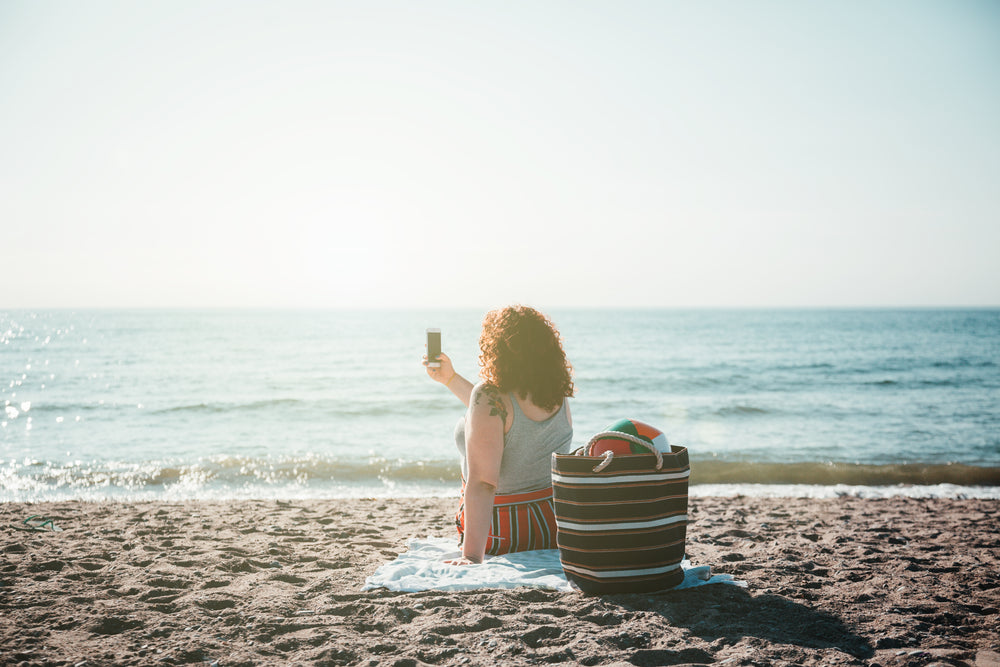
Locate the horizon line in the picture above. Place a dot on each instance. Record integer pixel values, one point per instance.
(331, 308)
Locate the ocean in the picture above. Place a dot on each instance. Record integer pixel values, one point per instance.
(177, 405)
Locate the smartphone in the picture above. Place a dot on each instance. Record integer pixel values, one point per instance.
(433, 348)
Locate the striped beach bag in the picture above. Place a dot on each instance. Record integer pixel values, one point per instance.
(621, 519)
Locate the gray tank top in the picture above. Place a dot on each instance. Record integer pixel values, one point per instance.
(527, 450)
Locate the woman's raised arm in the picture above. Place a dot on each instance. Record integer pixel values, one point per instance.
(446, 375)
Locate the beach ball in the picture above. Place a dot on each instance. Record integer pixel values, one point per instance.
(653, 436)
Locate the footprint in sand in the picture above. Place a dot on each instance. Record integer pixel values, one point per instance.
(51, 565)
(236, 551)
(90, 566)
(334, 565)
(605, 619)
(542, 636)
(558, 612)
(382, 649)
(479, 625)
(114, 625)
(160, 596)
(242, 566)
(216, 604)
(166, 582)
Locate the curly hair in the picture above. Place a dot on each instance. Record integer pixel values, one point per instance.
(521, 351)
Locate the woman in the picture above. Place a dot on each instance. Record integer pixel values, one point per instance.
(517, 417)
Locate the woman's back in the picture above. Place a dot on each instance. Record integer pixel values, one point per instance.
(528, 446)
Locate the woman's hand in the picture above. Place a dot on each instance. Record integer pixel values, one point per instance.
(462, 560)
(443, 373)
(446, 375)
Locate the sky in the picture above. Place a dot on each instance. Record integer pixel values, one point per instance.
(470, 154)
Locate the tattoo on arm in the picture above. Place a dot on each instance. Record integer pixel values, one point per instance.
(493, 399)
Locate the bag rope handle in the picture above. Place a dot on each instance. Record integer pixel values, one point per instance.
(609, 455)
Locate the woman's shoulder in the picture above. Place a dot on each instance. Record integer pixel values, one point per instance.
(487, 399)
(483, 388)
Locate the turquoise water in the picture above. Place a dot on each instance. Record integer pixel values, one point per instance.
(189, 404)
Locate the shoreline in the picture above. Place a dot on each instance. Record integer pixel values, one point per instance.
(223, 479)
(405, 492)
(887, 581)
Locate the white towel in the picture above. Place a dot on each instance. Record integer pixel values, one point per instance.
(422, 569)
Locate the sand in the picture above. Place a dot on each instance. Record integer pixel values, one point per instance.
(845, 581)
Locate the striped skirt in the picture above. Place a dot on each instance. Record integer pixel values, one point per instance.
(521, 522)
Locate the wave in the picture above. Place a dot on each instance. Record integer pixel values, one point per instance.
(965, 363)
(741, 411)
(225, 470)
(26, 479)
(822, 365)
(372, 408)
(830, 473)
(946, 383)
(843, 490)
(219, 408)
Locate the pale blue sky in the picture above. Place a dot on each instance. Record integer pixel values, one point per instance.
(471, 154)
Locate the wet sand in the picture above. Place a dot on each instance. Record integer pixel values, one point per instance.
(845, 581)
